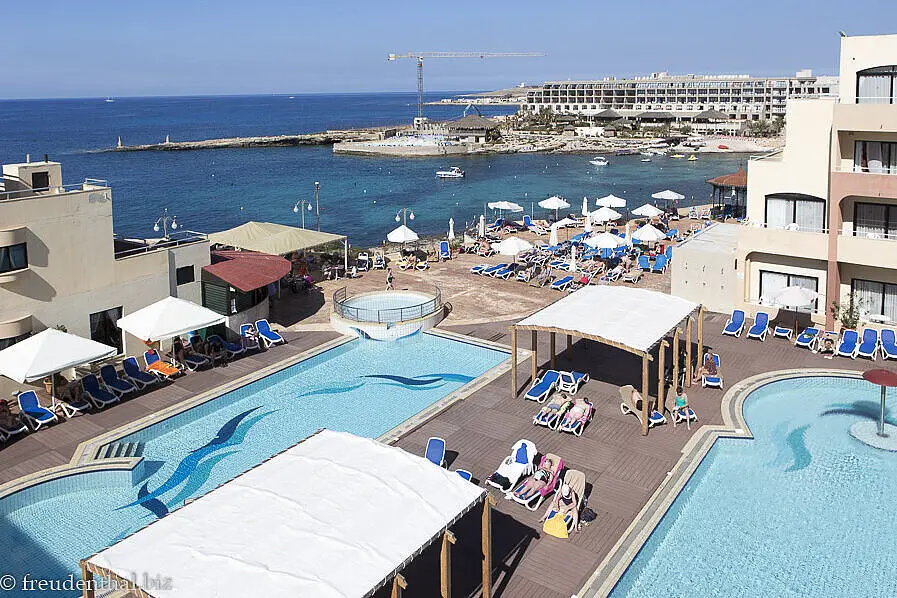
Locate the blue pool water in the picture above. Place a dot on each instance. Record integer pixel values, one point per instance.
(803, 509)
(362, 387)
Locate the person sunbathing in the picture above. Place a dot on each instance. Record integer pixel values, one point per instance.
(534, 484)
(708, 366)
(580, 407)
(565, 503)
(549, 412)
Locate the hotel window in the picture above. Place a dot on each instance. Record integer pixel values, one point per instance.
(877, 86)
(104, 329)
(875, 221)
(772, 282)
(879, 157)
(13, 257)
(795, 211)
(184, 275)
(877, 298)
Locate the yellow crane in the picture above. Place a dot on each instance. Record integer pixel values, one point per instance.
(419, 56)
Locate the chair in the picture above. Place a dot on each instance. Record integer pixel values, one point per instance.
(493, 269)
(561, 284)
(464, 474)
(888, 343)
(159, 368)
(518, 464)
(363, 262)
(543, 386)
(713, 381)
(807, 339)
(445, 253)
(478, 269)
(379, 261)
(34, 413)
(435, 452)
(114, 383)
(660, 264)
(249, 341)
(422, 265)
(138, 377)
(644, 263)
(97, 395)
(869, 345)
(611, 276)
(735, 324)
(632, 403)
(848, 347)
(550, 415)
(506, 273)
(531, 499)
(576, 480)
(233, 349)
(761, 326)
(571, 381)
(573, 424)
(632, 276)
(669, 253)
(782, 332)
(268, 336)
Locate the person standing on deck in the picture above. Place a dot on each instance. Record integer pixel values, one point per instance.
(389, 278)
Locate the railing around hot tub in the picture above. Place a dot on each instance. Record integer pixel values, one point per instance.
(426, 307)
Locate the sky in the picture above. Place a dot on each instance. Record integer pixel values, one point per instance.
(97, 48)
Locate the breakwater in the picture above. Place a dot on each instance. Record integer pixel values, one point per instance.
(322, 138)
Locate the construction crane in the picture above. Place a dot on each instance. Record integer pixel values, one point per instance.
(419, 56)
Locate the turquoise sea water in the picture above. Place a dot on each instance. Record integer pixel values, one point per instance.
(362, 387)
(802, 510)
(212, 190)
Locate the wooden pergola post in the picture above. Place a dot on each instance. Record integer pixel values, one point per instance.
(487, 545)
(676, 357)
(701, 333)
(661, 395)
(554, 362)
(688, 370)
(398, 584)
(87, 575)
(445, 564)
(569, 347)
(645, 394)
(535, 359)
(513, 361)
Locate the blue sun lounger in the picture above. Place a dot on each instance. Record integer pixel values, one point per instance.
(33, 412)
(807, 339)
(849, 341)
(761, 326)
(888, 343)
(478, 269)
(138, 377)
(713, 381)
(435, 452)
(493, 269)
(735, 325)
(644, 263)
(506, 273)
(268, 336)
(233, 349)
(464, 474)
(869, 345)
(562, 284)
(12, 428)
(97, 395)
(660, 264)
(114, 383)
(445, 253)
(543, 386)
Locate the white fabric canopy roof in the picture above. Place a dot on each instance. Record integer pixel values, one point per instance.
(668, 195)
(554, 203)
(276, 239)
(332, 517)
(402, 234)
(168, 318)
(648, 233)
(611, 201)
(49, 352)
(648, 211)
(635, 318)
(510, 206)
(605, 214)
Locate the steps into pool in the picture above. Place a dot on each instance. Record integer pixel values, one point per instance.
(121, 449)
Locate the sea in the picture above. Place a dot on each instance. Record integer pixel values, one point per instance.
(360, 196)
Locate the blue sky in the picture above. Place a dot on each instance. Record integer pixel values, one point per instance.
(66, 48)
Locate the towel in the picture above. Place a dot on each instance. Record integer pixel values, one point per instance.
(556, 526)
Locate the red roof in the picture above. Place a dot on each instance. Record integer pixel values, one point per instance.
(247, 270)
(736, 179)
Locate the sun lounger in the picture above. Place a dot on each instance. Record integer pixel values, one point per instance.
(11, 425)
(571, 381)
(782, 332)
(528, 223)
(100, 397)
(735, 324)
(115, 384)
(807, 338)
(848, 347)
(156, 366)
(575, 425)
(550, 415)
(506, 273)
(632, 276)
(531, 499)
(644, 263)
(632, 403)
(869, 345)
(493, 269)
(683, 414)
(249, 341)
(561, 284)
(464, 474)
(611, 276)
(761, 326)
(421, 266)
(495, 225)
(379, 261)
(660, 265)
(194, 361)
(138, 378)
(233, 349)
(576, 480)
(445, 252)
(888, 343)
(34, 413)
(478, 269)
(435, 452)
(516, 465)
(543, 386)
(713, 381)
(268, 336)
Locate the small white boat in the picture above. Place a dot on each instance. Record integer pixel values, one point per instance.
(647, 153)
(452, 173)
(110, 100)
(599, 161)
(646, 159)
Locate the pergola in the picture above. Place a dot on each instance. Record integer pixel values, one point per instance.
(336, 515)
(633, 320)
(735, 182)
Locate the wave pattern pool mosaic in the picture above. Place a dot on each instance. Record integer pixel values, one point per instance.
(802, 510)
(363, 387)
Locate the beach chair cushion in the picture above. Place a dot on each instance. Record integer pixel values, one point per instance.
(806, 338)
(267, 333)
(31, 407)
(133, 371)
(869, 344)
(435, 451)
(848, 346)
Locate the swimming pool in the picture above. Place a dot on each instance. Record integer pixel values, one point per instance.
(803, 509)
(363, 387)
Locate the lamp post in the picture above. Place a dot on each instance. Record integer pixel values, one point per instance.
(317, 205)
(164, 219)
(305, 205)
(406, 215)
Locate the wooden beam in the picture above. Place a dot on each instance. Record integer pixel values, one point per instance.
(513, 361)
(445, 564)
(645, 399)
(701, 333)
(487, 546)
(88, 590)
(535, 358)
(676, 358)
(398, 584)
(661, 395)
(578, 334)
(569, 347)
(554, 361)
(688, 366)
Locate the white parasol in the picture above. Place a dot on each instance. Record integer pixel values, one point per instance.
(647, 211)
(451, 233)
(611, 201)
(402, 234)
(648, 233)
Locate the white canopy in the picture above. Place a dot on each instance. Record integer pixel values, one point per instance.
(585, 206)
(554, 203)
(605, 241)
(648, 233)
(605, 214)
(49, 352)
(451, 233)
(611, 201)
(565, 222)
(794, 297)
(648, 211)
(332, 517)
(513, 246)
(402, 234)
(668, 195)
(509, 206)
(168, 318)
(634, 318)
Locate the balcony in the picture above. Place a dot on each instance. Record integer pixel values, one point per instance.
(879, 118)
(846, 182)
(864, 251)
(779, 241)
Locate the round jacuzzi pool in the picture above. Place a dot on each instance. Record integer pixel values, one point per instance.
(386, 314)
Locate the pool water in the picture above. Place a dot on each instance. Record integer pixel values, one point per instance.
(802, 510)
(363, 387)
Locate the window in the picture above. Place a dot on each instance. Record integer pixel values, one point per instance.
(103, 328)
(795, 211)
(9, 342)
(878, 157)
(184, 275)
(876, 86)
(772, 282)
(40, 180)
(874, 221)
(13, 257)
(877, 298)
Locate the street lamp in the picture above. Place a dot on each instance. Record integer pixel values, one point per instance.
(164, 219)
(306, 205)
(404, 215)
(317, 205)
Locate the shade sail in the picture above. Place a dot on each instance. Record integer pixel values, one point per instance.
(668, 195)
(49, 352)
(605, 214)
(332, 517)
(634, 318)
(247, 270)
(649, 233)
(513, 246)
(168, 318)
(605, 241)
(276, 239)
(507, 206)
(611, 201)
(648, 211)
(554, 203)
(402, 234)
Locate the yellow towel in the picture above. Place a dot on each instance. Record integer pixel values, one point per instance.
(556, 526)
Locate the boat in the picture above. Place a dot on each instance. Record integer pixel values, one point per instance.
(722, 147)
(110, 100)
(677, 156)
(646, 159)
(599, 161)
(452, 173)
(647, 153)
(692, 158)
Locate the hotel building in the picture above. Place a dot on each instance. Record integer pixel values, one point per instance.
(822, 212)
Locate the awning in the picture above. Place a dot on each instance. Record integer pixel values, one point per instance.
(276, 239)
(49, 352)
(247, 270)
(168, 318)
(333, 517)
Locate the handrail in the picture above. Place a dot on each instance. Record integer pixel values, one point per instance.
(188, 238)
(862, 170)
(769, 154)
(385, 315)
(87, 185)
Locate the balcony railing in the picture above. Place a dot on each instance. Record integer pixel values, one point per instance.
(866, 170)
(175, 240)
(87, 185)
